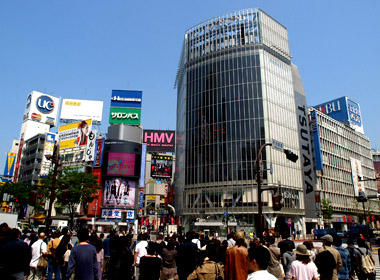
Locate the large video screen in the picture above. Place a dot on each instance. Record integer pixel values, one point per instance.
(119, 192)
(121, 164)
(161, 166)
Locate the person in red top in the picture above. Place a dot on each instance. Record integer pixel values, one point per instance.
(235, 267)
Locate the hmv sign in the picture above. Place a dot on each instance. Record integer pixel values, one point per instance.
(159, 140)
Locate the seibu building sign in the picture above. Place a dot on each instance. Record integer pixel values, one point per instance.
(159, 140)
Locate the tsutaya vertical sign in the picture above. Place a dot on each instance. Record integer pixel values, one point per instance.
(159, 140)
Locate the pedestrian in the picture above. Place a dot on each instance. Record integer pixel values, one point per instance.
(15, 257)
(38, 249)
(310, 246)
(140, 251)
(274, 266)
(257, 262)
(187, 257)
(344, 272)
(60, 252)
(351, 247)
(230, 240)
(150, 264)
(359, 253)
(169, 254)
(106, 248)
(54, 266)
(82, 259)
(196, 240)
(303, 268)
(236, 259)
(121, 258)
(207, 267)
(287, 259)
(328, 260)
(99, 257)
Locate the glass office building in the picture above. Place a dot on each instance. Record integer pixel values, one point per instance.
(235, 93)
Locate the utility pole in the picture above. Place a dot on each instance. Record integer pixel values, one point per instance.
(55, 160)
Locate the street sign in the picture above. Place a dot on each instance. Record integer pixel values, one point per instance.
(277, 145)
(225, 214)
(289, 222)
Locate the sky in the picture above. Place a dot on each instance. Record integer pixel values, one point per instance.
(84, 49)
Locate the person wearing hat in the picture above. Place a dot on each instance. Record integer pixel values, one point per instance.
(327, 242)
(302, 268)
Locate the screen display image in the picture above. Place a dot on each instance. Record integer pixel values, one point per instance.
(119, 192)
(121, 164)
(161, 166)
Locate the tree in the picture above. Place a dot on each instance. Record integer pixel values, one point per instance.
(327, 209)
(19, 194)
(82, 187)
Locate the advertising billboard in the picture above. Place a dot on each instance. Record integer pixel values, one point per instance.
(41, 107)
(74, 134)
(161, 166)
(90, 148)
(119, 192)
(76, 109)
(116, 214)
(159, 140)
(344, 110)
(99, 148)
(121, 164)
(131, 116)
(316, 141)
(10, 164)
(126, 98)
(356, 171)
(49, 144)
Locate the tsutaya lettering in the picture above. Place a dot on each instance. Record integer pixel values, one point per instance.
(132, 116)
(306, 149)
(155, 137)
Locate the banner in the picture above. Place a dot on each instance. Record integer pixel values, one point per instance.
(74, 134)
(90, 149)
(116, 214)
(356, 171)
(126, 98)
(119, 192)
(131, 116)
(10, 164)
(49, 144)
(75, 109)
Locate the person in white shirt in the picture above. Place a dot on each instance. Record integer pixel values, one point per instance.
(257, 262)
(38, 248)
(140, 251)
(302, 268)
(196, 240)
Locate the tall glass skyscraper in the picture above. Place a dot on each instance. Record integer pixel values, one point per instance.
(235, 93)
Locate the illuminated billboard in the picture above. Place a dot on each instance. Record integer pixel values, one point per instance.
(10, 164)
(76, 109)
(41, 107)
(344, 110)
(159, 140)
(131, 116)
(356, 172)
(161, 166)
(119, 192)
(126, 98)
(121, 164)
(74, 134)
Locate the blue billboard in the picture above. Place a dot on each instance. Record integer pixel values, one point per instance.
(344, 110)
(10, 164)
(316, 141)
(126, 98)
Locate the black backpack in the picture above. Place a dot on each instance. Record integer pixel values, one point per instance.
(325, 263)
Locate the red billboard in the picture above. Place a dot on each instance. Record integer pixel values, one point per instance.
(159, 140)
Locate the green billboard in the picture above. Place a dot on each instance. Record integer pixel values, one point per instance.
(129, 116)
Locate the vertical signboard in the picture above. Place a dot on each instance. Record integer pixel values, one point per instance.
(18, 159)
(49, 144)
(143, 160)
(99, 152)
(356, 171)
(10, 164)
(316, 140)
(90, 148)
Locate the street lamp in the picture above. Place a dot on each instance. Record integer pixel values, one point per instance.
(290, 156)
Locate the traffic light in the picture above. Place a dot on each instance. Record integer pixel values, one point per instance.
(290, 155)
(33, 197)
(276, 201)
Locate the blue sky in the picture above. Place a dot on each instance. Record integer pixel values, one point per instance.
(84, 49)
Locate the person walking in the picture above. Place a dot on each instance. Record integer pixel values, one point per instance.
(150, 264)
(274, 266)
(344, 272)
(236, 259)
(38, 249)
(54, 266)
(302, 268)
(187, 257)
(140, 251)
(82, 259)
(328, 260)
(230, 240)
(168, 254)
(257, 263)
(359, 253)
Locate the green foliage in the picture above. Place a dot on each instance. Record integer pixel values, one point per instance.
(19, 191)
(327, 209)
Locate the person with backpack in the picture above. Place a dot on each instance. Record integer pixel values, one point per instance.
(328, 260)
(365, 263)
(54, 266)
(344, 272)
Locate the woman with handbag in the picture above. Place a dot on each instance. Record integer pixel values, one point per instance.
(38, 262)
(207, 268)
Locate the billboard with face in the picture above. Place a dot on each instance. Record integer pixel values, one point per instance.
(121, 164)
(161, 166)
(119, 192)
(75, 109)
(356, 172)
(42, 108)
(74, 134)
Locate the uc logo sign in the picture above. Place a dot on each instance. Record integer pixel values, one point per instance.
(45, 104)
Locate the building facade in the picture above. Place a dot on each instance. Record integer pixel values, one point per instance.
(235, 93)
(342, 154)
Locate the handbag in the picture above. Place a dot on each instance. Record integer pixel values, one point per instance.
(217, 273)
(42, 262)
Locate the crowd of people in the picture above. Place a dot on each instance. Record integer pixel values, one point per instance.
(190, 256)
